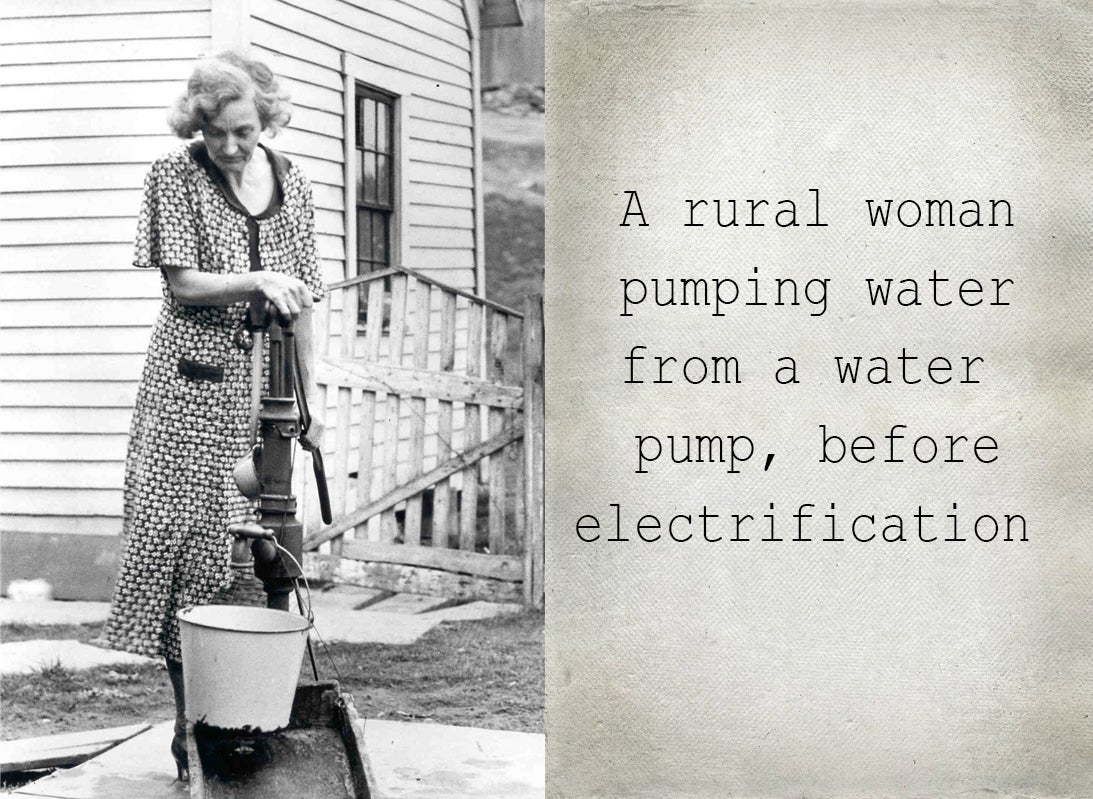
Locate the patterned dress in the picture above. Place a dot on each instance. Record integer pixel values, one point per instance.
(192, 417)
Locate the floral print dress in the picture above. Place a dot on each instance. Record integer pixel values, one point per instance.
(191, 422)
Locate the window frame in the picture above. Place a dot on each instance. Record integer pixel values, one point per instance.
(385, 207)
(397, 86)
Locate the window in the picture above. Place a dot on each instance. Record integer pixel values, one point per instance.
(375, 184)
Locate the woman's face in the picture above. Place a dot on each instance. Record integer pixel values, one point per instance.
(232, 135)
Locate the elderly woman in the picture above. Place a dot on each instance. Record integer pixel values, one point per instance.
(225, 220)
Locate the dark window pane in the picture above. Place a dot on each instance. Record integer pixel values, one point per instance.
(369, 117)
(383, 180)
(364, 234)
(360, 121)
(379, 236)
(360, 177)
(368, 166)
(382, 121)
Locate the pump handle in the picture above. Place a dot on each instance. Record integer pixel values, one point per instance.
(316, 454)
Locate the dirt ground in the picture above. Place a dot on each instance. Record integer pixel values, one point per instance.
(473, 673)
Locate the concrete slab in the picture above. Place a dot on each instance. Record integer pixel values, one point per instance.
(52, 612)
(414, 761)
(140, 768)
(25, 657)
(368, 626)
(474, 611)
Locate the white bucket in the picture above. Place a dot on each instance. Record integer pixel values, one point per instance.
(241, 665)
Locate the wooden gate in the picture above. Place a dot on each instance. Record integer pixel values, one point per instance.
(434, 440)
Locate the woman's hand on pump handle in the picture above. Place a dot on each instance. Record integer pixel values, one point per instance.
(288, 295)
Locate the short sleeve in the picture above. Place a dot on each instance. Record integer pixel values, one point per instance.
(166, 229)
(310, 271)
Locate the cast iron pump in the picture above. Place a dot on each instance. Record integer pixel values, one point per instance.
(266, 473)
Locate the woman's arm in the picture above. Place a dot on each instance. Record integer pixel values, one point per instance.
(193, 287)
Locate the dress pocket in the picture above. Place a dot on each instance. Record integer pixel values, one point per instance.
(205, 372)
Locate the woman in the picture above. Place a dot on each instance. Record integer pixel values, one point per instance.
(226, 221)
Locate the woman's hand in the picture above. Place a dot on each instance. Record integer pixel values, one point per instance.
(312, 438)
(288, 295)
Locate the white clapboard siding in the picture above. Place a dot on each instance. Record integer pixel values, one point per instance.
(79, 257)
(457, 265)
(39, 474)
(64, 231)
(65, 420)
(77, 177)
(327, 197)
(51, 341)
(329, 222)
(441, 237)
(158, 25)
(441, 153)
(313, 120)
(292, 67)
(76, 524)
(440, 174)
(443, 215)
(442, 132)
(75, 367)
(86, 150)
(92, 501)
(129, 94)
(120, 50)
(100, 72)
(92, 313)
(61, 447)
(82, 8)
(316, 145)
(423, 193)
(123, 203)
(437, 111)
(77, 285)
(86, 395)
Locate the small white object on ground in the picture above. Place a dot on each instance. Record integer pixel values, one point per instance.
(30, 590)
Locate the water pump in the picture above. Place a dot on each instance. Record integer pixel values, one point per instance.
(276, 539)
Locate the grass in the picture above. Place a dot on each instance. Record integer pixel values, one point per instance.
(475, 673)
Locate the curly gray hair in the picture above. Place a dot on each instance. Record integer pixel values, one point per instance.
(222, 79)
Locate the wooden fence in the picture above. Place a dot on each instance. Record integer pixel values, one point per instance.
(434, 441)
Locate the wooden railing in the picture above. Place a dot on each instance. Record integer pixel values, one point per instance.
(436, 484)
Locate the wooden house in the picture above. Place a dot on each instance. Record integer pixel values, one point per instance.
(386, 125)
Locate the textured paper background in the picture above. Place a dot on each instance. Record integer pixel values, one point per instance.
(820, 669)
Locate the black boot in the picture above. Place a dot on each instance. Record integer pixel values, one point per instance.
(178, 743)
